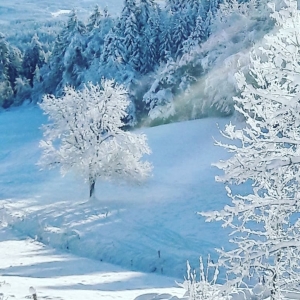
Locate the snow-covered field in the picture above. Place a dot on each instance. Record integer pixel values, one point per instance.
(151, 228)
(45, 9)
(41, 10)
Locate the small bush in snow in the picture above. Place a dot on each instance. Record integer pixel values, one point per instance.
(206, 288)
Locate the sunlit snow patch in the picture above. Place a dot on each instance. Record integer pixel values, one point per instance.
(60, 12)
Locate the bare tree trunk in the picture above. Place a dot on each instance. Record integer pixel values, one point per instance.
(275, 291)
(92, 182)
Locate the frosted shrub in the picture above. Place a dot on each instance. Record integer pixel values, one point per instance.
(205, 288)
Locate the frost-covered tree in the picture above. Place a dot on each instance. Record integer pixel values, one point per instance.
(67, 62)
(149, 21)
(181, 31)
(147, 8)
(150, 45)
(15, 66)
(166, 42)
(266, 153)
(174, 5)
(113, 60)
(113, 66)
(86, 133)
(6, 91)
(98, 26)
(34, 57)
(131, 42)
(94, 19)
(196, 37)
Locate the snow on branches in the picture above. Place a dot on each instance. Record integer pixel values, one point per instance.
(86, 133)
(266, 152)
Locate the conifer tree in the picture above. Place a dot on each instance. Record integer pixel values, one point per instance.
(34, 57)
(15, 65)
(95, 19)
(113, 55)
(6, 91)
(166, 43)
(131, 42)
(67, 61)
(98, 27)
(196, 37)
(180, 33)
(150, 45)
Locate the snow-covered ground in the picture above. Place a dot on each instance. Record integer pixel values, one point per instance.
(11, 10)
(41, 10)
(25, 263)
(151, 228)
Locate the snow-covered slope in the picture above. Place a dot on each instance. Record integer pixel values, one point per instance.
(153, 227)
(25, 263)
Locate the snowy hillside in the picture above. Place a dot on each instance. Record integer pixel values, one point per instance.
(180, 61)
(152, 228)
(128, 225)
(25, 263)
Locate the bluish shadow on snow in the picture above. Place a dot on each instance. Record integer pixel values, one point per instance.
(152, 227)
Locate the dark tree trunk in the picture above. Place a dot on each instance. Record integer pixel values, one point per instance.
(92, 186)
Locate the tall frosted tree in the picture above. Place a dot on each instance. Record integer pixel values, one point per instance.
(149, 20)
(98, 26)
(6, 91)
(113, 55)
(196, 37)
(67, 62)
(150, 49)
(131, 42)
(86, 134)
(15, 66)
(147, 9)
(95, 19)
(266, 153)
(181, 31)
(166, 46)
(34, 57)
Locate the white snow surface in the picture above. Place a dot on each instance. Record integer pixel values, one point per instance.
(151, 228)
(11, 10)
(28, 266)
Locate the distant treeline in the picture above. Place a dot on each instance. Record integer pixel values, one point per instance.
(155, 52)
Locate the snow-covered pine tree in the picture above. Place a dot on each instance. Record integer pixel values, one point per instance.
(181, 31)
(150, 45)
(94, 19)
(207, 23)
(67, 60)
(173, 5)
(113, 55)
(166, 43)
(34, 57)
(147, 8)
(214, 6)
(129, 31)
(15, 66)
(85, 133)
(14, 69)
(196, 37)
(266, 153)
(74, 61)
(98, 26)
(6, 91)
(149, 24)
